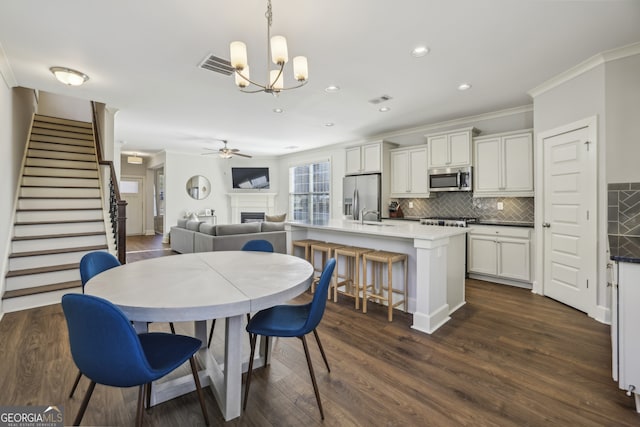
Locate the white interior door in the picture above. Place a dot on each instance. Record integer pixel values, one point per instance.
(131, 190)
(570, 223)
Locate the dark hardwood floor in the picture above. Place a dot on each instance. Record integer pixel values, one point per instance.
(507, 358)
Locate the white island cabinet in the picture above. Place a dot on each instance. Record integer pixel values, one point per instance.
(436, 257)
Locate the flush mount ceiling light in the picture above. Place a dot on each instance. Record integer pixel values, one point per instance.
(419, 51)
(464, 86)
(68, 76)
(332, 89)
(278, 110)
(134, 160)
(277, 51)
(384, 109)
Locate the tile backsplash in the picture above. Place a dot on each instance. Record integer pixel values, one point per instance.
(623, 209)
(463, 204)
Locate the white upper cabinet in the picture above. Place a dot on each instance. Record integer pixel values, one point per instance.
(364, 159)
(503, 165)
(409, 172)
(450, 149)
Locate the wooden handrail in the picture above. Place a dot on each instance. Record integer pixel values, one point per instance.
(119, 211)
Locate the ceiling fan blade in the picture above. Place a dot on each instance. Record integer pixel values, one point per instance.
(242, 155)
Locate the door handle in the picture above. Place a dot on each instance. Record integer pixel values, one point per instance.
(546, 225)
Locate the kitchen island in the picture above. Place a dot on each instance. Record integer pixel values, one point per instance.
(436, 256)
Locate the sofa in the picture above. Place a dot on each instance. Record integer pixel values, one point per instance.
(190, 236)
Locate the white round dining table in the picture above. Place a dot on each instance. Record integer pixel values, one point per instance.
(199, 287)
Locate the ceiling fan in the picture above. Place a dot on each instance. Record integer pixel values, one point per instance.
(226, 152)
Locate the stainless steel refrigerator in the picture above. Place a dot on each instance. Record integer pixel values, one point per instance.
(361, 193)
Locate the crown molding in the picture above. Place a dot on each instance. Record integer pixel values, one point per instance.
(6, 71)
(587, 65)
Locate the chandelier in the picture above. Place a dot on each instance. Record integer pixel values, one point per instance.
(277, 52)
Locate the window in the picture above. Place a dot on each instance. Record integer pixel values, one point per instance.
(309, 192)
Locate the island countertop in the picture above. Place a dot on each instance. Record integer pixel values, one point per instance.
(398, 229)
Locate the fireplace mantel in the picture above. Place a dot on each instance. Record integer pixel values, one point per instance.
(251, 202)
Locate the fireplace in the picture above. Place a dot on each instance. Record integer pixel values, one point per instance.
(259, 203)
(251, 217)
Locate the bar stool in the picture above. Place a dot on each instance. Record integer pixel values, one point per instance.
(379, 259)
(351, 285)
(326, 249)
(304, 244)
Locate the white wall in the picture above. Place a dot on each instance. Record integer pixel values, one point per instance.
(67, 107)
(622, 104)
(16, 111)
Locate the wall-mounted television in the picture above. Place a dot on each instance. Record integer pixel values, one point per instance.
(250, 178)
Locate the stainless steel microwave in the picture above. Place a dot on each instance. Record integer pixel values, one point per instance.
(450, 179)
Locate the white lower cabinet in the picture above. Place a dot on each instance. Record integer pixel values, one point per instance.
(625, 329)
(503, 253)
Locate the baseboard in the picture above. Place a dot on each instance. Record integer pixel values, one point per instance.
(602, 314)
(150, 233)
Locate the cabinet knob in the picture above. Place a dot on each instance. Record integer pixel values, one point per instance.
(546, 225)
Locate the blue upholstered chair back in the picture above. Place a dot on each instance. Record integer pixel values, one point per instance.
(319, 301)
(95, 263)
(258, 245)
(104, 345)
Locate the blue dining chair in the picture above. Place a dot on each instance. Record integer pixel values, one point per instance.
(293, 321)
(257, 245)
(92, 264)
(107, 350)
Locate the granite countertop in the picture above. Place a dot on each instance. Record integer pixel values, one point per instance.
(504, 223)
(624, 248)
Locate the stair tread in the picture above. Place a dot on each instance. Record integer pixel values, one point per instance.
(42, 289)
(58, 236)
(40, 270)
(58, 251)
(63, 221)
(56, 186)
(57, 198)
(59, 176)
(57, 209)
(53, 119)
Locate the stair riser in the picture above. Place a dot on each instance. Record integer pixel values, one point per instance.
(36, 261)
(58, 204)
(60, 155)
(39, 216)
(67, 141)
(37, 300)
(63, 164)
(50, 229)
(79, 173)
(61, 133)
(60, 182)
(58, 243)
(41, 279)
(61, 147)
(57, 120)
(45, 192)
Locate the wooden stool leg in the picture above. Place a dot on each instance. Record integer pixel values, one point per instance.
(390, 289)
(364, 284)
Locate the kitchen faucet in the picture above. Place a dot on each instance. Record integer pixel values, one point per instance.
(364, 212)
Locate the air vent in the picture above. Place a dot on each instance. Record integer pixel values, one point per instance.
(380, 99)
(217, 65)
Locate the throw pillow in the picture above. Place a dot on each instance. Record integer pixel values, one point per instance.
(276, 218)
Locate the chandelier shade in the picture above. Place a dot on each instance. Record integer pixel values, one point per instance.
(278, 53)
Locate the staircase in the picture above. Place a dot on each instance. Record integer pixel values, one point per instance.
(59, 214)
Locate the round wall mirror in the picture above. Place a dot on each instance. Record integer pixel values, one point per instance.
(198, 187)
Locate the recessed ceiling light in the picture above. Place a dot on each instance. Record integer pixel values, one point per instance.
(329, 124)
(290, 147)
(332, 89)
(464, 86)
(384, 109)
(278, 110)
(419, 51)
